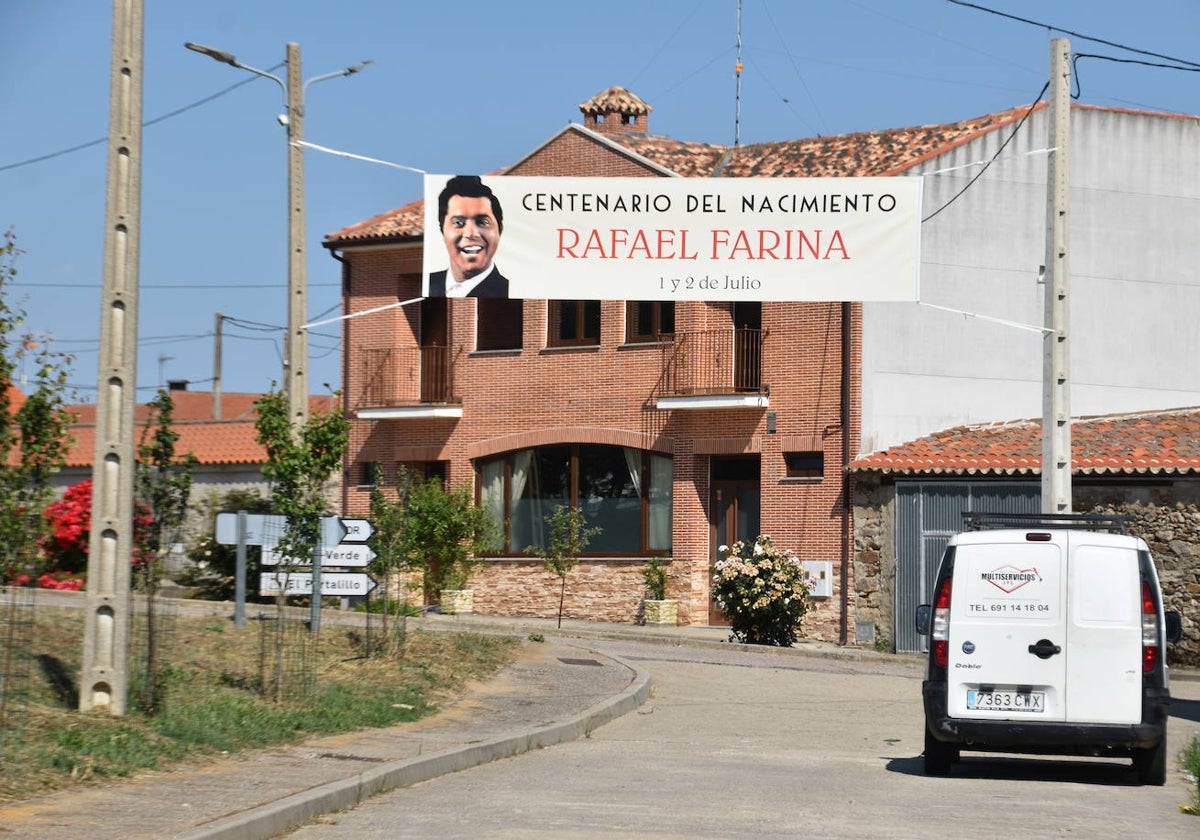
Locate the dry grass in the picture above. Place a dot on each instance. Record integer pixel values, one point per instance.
(211, 700)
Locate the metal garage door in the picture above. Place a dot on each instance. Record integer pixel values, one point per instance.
(928, 513)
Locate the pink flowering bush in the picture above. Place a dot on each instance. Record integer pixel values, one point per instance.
(763, 590)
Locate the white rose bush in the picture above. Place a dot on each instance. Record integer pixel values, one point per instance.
(763, 591)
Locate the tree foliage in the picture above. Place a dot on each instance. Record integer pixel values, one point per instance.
(299, 463)
(444, 532)
(164, 484)
(569, 536)
(34, 437)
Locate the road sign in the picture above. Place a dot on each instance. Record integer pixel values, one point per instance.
(300, 583)
(266, 529)
(350, 554)
(357, 530)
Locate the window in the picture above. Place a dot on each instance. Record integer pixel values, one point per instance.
(649, 320)
(574, 323)
(370, 473)
(623, 491)
(805, 464)
(425, 469)
(498, 323)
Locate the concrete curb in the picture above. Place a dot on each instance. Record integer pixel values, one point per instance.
(276, 817)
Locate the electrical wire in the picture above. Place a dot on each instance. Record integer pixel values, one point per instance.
(154, 121)
(658, 52)
(1078, 87)
(1073, 34)
(984, 168)
(807, 91)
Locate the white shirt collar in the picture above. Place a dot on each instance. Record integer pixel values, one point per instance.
(463, 288)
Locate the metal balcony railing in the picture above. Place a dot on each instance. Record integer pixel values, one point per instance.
(711, 362)
(400, 376)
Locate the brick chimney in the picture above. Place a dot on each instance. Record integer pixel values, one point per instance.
(616, 111)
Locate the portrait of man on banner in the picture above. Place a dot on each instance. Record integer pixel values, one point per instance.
(471, 221)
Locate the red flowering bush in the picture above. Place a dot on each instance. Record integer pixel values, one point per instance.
(70, 519)
(60, 580)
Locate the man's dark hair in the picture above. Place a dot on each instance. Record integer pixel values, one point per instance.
(468, 186)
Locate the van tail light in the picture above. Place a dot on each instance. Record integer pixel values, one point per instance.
(1150, 630)
(940, 632)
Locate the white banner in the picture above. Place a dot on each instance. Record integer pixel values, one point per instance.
(752, 239)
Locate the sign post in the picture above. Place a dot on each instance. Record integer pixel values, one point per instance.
(343, 545)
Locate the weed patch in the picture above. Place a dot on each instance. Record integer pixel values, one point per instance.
(212, 702)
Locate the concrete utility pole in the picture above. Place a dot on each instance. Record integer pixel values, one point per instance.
(295, 382)
(1056, 388)
(104, 682)
(216, 390)
(297, 340)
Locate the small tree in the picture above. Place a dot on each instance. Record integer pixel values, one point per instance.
(299, 463)
(444, 532)
(569, 536)
(391, 562)
(164, 485)
(34, 437)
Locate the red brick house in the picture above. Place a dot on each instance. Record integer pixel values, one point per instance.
(677, 426)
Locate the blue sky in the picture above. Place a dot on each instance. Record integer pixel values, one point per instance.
(457, 87)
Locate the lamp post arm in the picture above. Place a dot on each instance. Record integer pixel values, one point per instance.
(228, 58)
(346, 71)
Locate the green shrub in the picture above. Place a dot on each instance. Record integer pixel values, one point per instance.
(763, 590)
(655, 575)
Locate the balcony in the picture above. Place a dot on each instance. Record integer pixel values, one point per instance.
(714, 369)
(406, 382)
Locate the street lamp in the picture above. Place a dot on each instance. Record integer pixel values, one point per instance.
(296, 350)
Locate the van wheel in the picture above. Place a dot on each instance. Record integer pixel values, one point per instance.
(1151, 764)
(938, 756)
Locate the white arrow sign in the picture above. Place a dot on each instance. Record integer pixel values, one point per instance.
(300, 583)
(347, 554)
(267, 529)
(357, 530)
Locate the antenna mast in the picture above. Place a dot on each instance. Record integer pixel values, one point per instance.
(737, 98)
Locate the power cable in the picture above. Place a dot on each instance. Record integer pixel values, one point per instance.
(1073, 34)
(146, 124)
(984, 168)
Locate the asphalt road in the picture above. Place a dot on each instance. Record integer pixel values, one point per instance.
(754, 745)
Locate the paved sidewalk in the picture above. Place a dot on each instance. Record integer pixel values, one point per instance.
(556, 691)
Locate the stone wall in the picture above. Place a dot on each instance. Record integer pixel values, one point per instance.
(1167, 517)
(874, 595)
(1165, 513)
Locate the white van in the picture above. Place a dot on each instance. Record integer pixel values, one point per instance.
(1047, 635)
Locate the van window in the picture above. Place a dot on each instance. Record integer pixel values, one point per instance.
(1105, 586)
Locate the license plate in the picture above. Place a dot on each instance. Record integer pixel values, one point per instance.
(1033, 702)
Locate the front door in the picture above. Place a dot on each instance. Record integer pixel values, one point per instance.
(734, 512)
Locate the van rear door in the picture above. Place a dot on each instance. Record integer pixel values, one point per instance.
(1104, 668)
(1008, 636)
